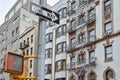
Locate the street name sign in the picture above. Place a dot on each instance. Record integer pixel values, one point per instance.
(44, 13)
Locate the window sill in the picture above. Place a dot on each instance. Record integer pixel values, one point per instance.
(108, 60)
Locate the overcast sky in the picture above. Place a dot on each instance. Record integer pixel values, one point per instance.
(5, 5)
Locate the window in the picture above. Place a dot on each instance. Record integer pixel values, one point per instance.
(0, 35)
(26, 19)
(11, 14)
(91, 15)
(28, 40)
(92, 57)
(61, 47)
(31, 38)
(73, 5)
(12, 33)
(31, 50)
(82, 77)
(107, 6)
(3, 42)
(64, 46)
(109, 75)
(30, 63)
(48, 69)
(73, 25)
(60, 65)
(49, 37)
(48, 53)
(63, 12)
(72, 8)
(61, 30)
(18, 6)
(3, 51)
(81, 58)
(108, 53)
(92, 35)
(72, 77)
(92, 76)
(27, 52)
(24, 53)
(81, 38)
(14, 43)
(4, 32)
(17, 30)
(72, 62)
(15, 20)
(73, 43)
(30, 74)
(81, 19)
(108, 27)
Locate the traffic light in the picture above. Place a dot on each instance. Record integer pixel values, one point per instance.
(14, 63)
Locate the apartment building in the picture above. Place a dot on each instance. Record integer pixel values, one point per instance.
(55, 47)
(28, 39)
(16, 29)
(93, 40)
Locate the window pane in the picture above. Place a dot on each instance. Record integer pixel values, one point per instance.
(73, 5)
(108, 27)
(92, 35)
(18, 6)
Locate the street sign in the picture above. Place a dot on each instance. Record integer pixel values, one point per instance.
(13, 63)
(44, 13)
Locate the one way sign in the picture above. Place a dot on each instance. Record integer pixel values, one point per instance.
(44, 13)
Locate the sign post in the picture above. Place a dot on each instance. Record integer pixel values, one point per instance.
(44, 13)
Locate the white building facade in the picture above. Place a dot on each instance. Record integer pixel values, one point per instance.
(93, 40)
(55, 48)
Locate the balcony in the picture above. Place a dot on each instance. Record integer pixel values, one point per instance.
(91, 18)
(71, 29)
(24, 45)
(71, 47)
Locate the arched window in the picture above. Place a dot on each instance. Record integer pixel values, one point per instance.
(72, 77)
(92, 76)
(109, 75)
(82, 75)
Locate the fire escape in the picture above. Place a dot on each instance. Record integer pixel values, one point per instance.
(84, 64)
